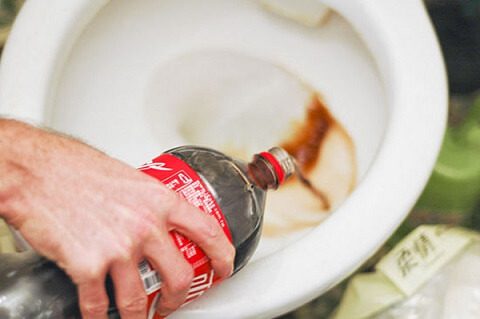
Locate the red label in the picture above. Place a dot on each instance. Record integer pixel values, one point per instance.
(180, 177)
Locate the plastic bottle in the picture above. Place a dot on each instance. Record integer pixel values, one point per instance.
(230, 190)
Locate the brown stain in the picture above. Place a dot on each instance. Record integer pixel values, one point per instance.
(305, 146)
(308, 144)
(348, 139)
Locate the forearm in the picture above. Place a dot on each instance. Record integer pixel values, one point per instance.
(13, 171)
(26, 154)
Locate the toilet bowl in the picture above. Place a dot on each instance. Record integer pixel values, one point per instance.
(92, 68)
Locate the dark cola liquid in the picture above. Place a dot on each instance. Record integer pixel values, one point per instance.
(241, 201)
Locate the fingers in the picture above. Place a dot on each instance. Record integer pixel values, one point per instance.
(205, 231)
(93, 299)
(130, 296)
(175, 271)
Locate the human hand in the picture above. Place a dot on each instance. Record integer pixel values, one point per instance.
(94, 216)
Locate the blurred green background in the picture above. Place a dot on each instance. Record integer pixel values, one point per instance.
(452, 195)
(8, 11)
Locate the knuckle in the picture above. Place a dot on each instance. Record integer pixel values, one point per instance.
(182, 280)
(144, 227)
(134, 305)
(157, 243)
(124, 249)
(127, 245)
(86, 271)
(214, 233)
(169, 201)
(93, 309)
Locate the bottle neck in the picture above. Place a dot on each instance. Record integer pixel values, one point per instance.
(269, 170)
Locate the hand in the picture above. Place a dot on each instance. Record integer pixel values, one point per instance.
(94, 216)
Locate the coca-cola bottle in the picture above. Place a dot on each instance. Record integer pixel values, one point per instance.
(230, 190)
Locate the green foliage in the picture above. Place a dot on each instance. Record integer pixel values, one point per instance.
(8, 11)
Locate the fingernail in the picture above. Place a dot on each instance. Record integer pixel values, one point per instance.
(162, 313)
(230, 273)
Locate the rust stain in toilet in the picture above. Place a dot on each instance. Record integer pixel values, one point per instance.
(306, 143)
(325, 153)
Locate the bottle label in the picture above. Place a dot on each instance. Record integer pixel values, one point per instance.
(181, 178)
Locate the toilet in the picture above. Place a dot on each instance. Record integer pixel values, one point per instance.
(109, 71)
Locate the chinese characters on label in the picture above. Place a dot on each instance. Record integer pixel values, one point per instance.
(420, 255)
(409, 257)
